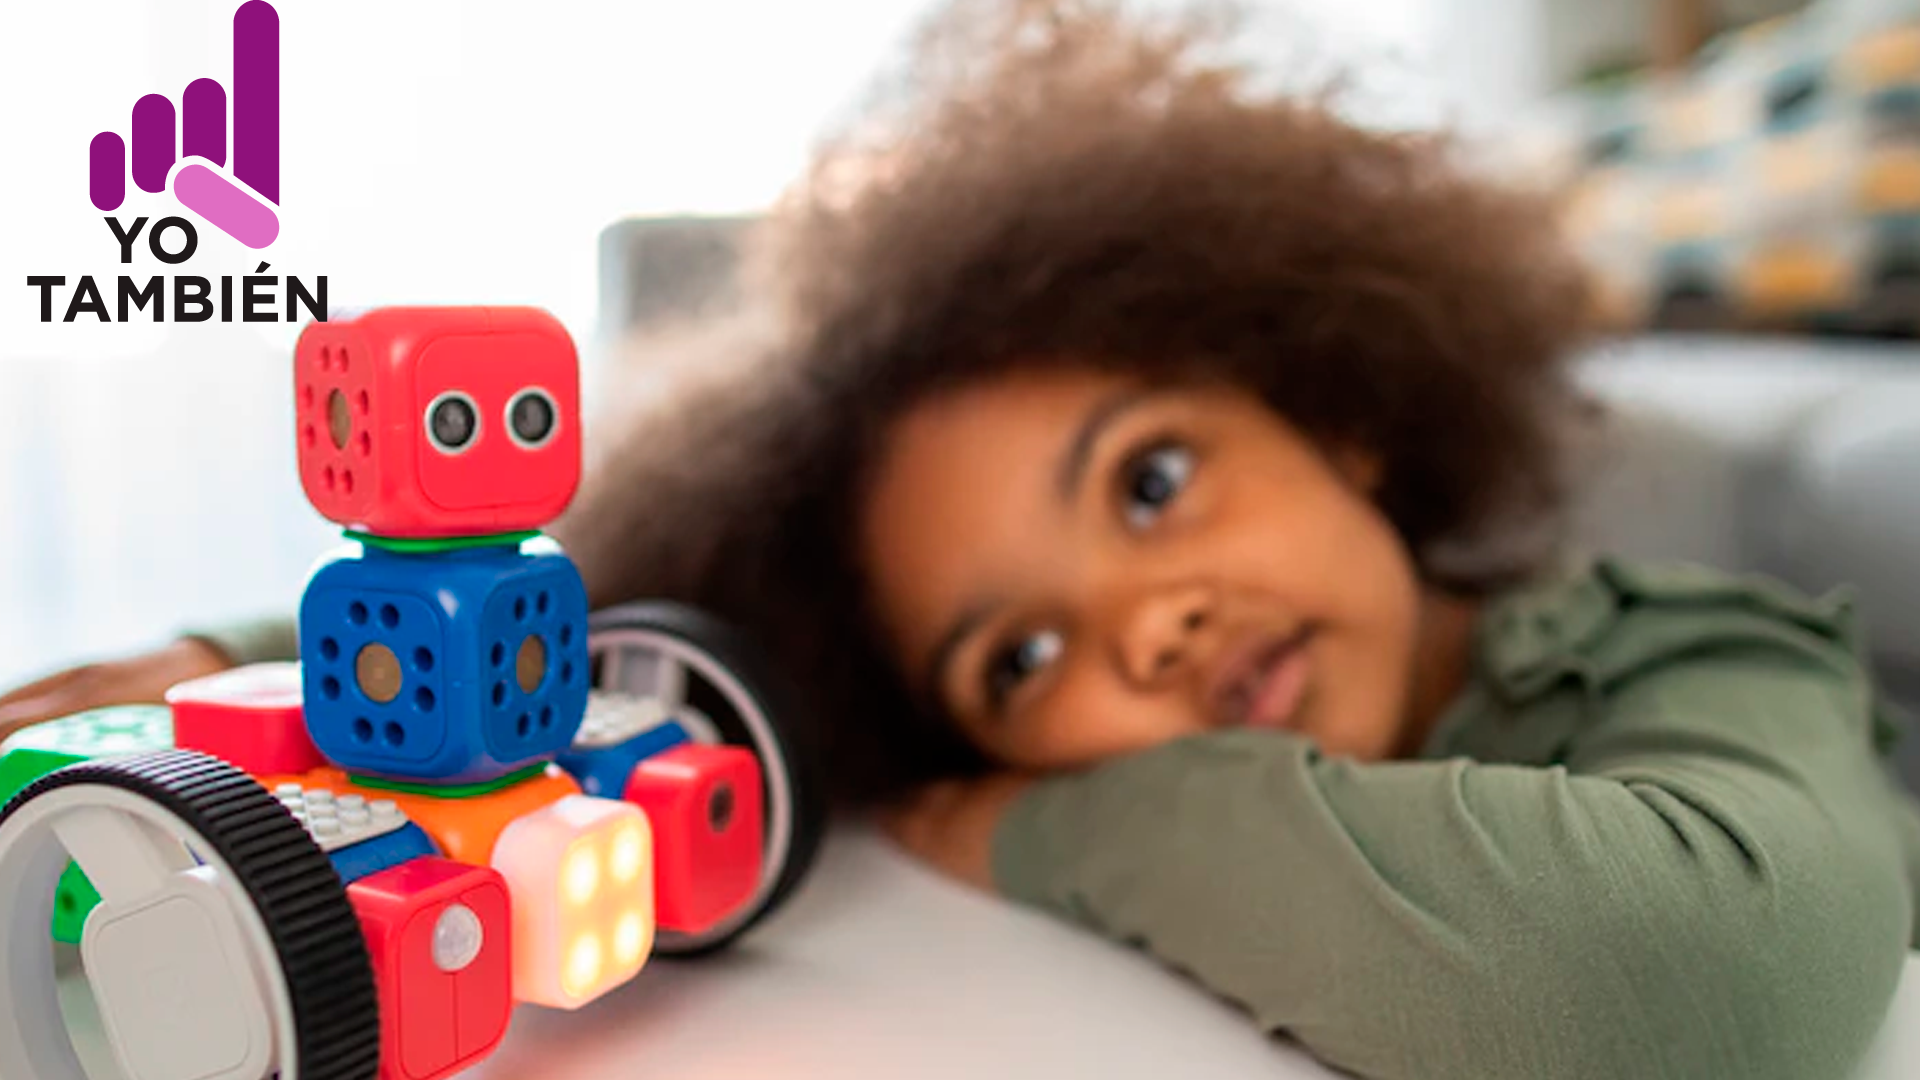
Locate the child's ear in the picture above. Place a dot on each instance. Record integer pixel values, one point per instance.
(1360, 467)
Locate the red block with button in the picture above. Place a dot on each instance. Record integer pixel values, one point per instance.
(439, 933)
(438, 422)
(249, 717)
(708, 818)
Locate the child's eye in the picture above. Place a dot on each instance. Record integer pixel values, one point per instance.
(1151, 480)
(1008, 667)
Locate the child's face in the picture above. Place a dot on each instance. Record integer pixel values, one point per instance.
(1075, 566)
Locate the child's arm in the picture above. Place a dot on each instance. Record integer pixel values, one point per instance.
(146, 677)
(140, 678)
(1710, 887)
(253, 641)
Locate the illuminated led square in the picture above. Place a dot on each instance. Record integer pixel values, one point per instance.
(581, 875)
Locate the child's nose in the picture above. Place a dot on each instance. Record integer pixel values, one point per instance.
(1160, 630)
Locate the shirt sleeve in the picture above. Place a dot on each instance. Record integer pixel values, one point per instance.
(253, 641)
(1709, 885)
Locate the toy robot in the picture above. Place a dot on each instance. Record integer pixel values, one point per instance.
(469, 793)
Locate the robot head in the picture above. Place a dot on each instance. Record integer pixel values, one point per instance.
(438, 422)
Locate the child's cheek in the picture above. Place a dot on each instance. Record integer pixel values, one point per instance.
(1091, 715)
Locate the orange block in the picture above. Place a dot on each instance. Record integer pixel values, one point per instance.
(1794, 278)
(1886, 58)
(466, 829)
(1890, 183)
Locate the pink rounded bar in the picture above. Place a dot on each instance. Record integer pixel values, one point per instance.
(215, 198)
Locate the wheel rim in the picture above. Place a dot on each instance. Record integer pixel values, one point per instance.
(82, 823)
(649, 663)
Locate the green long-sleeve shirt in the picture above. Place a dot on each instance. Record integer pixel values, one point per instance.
(1655, 838)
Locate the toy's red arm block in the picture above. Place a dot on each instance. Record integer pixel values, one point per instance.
(250, 717)
(440, 937)
(709, 830)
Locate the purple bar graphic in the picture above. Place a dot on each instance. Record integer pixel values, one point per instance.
(256, 98)
(152, 141)
(203, 121)
(107, 171)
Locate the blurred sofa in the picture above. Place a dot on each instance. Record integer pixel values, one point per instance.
(1793, 457)
(1753, 222)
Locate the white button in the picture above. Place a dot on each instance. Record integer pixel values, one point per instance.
(457, 939)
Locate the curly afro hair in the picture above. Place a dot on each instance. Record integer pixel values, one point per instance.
(1059, 183)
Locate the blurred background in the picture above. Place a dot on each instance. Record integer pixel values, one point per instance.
(433, 151)
(1744, 175)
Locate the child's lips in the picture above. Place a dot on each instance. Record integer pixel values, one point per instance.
(1266, 682)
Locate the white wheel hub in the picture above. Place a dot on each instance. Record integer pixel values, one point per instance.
(181, 966)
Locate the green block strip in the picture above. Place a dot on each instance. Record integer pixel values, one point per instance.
(21, 766)
(73, 901)
(116, 731)
(451, 791)
(435, 545)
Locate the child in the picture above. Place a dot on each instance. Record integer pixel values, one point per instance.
(1127, 488)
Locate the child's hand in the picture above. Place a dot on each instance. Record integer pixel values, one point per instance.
(128, 681)
(951, 824)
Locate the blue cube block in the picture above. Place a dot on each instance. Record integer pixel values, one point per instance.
(455, 667)
(603, 771)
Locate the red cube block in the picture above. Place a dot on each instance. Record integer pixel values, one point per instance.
(249, 717)
(438, 422)
(440, 935)
(708, 817)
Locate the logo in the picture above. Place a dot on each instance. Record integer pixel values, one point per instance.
(185, 152)
(201, 137)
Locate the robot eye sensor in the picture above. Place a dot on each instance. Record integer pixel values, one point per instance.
(532, 418)
(452, 423)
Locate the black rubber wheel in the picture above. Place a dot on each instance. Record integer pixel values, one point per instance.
(734, 688)
(294, 890)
